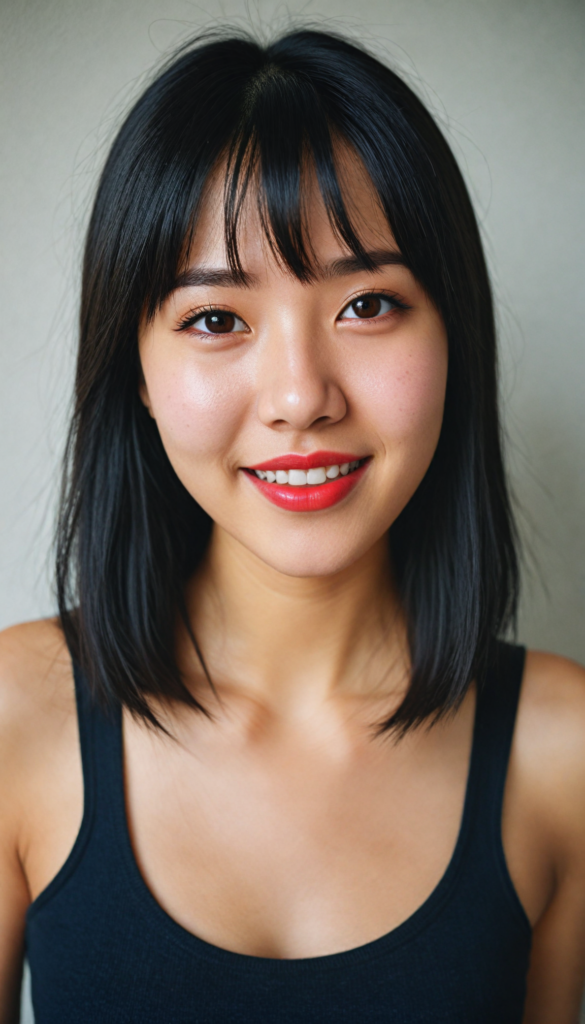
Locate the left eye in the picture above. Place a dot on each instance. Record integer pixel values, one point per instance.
(218, 321)
(367, 307)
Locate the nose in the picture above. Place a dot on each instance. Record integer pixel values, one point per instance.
(297, 389)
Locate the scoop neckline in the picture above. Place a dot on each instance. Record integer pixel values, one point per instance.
(153, 911)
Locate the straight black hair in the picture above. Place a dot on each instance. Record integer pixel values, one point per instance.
(129, 534)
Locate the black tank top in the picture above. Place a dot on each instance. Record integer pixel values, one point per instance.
(103, 951)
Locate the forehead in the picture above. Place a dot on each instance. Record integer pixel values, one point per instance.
(208, 244)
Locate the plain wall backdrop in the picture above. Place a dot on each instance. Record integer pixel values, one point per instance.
(505, 79)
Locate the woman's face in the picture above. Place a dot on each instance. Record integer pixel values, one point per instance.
(264, 392)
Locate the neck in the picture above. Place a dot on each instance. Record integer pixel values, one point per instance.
(296, 642)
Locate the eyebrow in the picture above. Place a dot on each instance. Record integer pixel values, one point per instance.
(196, 277)
(371, 261)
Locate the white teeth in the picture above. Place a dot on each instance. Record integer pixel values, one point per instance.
(296, 477)
(300, 477)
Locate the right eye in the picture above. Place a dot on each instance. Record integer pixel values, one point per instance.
(217, 321)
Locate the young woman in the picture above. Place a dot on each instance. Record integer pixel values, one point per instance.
(273, 762)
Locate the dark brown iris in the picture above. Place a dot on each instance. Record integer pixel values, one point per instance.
(367, 306)
(220, 322)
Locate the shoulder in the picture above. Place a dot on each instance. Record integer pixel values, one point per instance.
(36, 698)
(35, 672)
(552, 705)
(41, 792)
(549, 743)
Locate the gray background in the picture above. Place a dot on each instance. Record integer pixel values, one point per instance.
(505, 79)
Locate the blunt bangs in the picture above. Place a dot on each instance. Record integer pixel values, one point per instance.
(129, 534)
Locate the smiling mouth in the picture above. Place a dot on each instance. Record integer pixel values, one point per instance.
(307, 483)
(308, 477)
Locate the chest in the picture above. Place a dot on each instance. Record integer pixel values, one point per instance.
(291, 851)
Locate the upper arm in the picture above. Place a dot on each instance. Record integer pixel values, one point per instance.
(547, 801)
(14, 899)
(14, 896)
(31, 665)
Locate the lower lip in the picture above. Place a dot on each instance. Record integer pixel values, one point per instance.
(309, 499)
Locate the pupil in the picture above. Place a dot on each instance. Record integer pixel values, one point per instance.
(220, 323)
(368, 306)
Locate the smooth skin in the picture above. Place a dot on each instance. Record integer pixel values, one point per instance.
(281, 827)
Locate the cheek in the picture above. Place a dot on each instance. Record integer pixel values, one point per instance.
(198, 412)
(403, 396)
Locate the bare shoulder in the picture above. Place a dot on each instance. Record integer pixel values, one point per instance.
(36, 689)
(34, 666)
(30, 647)
(41, 787)
(549, 744)
(552, 703)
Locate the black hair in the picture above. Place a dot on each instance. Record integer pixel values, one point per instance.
(129, 533)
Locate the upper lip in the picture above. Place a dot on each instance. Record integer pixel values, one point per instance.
(312, 461)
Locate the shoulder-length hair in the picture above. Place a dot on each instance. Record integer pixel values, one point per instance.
(129, 534)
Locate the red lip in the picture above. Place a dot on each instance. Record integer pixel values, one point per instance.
(308, 499)
(312, 461)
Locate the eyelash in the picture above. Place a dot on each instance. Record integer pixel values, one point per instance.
(195, 314)
(380, 294)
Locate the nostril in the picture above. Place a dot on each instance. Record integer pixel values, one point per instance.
(313, 403)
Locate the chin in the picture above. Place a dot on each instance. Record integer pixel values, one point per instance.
(317, 568)
(311, 560)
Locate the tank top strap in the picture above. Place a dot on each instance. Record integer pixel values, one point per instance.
(100, 739)
(497, 705)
